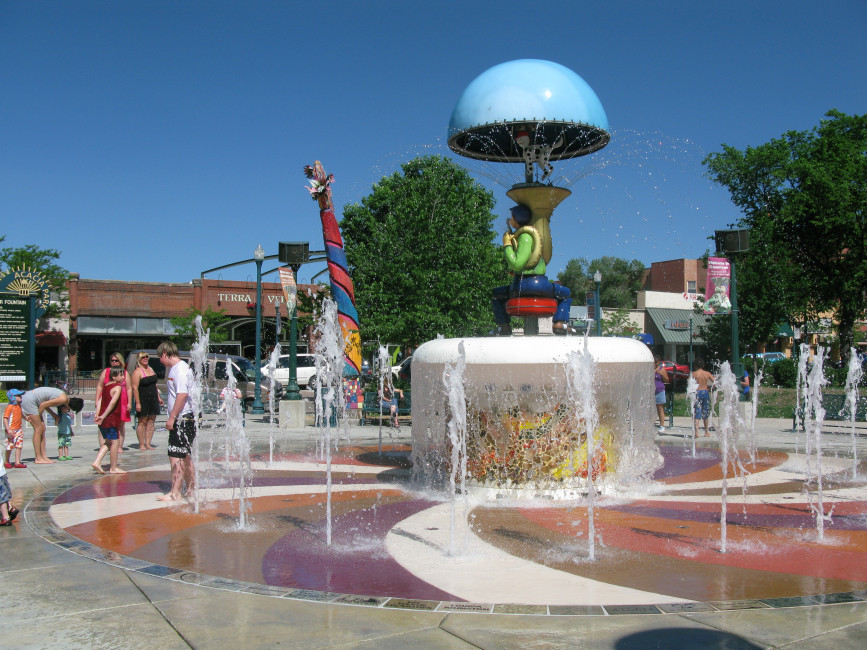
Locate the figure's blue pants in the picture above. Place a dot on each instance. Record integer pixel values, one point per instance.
(531, 286)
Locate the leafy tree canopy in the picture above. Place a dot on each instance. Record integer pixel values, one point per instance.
(421, 254)
(803, 197)
(42, 260)
(618, 323)
(621, 280)
(185, 326)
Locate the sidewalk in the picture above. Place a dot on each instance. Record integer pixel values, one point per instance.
(57, 598)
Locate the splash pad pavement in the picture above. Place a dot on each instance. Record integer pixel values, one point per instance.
(394, 547)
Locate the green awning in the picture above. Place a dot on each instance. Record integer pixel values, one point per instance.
(673, 324)
(784, 329)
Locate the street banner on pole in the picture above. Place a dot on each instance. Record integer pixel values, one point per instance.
(718, 283)
(290, 289)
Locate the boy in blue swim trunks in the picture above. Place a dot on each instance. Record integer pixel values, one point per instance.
(702, 397)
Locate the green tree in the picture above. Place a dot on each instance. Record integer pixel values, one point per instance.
(803, 198)
(421, 254)
(185, 326)
(309, 306)
(621, 280)
(761, 308)
(618, 323)
(43, 261)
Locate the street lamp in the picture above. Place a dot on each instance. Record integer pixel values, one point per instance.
(597, 278)
(294, 254)
(732, 242)
(259, 257)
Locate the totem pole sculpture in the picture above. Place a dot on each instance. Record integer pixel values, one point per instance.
(341, 284)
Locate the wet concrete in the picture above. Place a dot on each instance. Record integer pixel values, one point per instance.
(65, 599)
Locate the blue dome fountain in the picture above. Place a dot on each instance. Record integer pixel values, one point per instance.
(529, 111)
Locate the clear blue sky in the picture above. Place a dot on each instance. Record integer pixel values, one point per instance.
(152, 140)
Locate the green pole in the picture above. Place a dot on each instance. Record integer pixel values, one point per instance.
(293, 390)
(737, 366)
(31, 344)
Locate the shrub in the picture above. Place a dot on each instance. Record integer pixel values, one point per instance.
(782, 373)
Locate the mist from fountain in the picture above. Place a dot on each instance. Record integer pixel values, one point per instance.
(752, 442)
(383, 368)
(691, 395)
(456, 422)
(237, 450)
(580, 382)
(727, 392)
(198, 356)
(272, 407)
(330, 403)
(814, 416)
(854, 374)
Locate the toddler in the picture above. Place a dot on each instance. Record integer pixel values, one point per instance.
(64, 432)
(8, 512)
(14, 430)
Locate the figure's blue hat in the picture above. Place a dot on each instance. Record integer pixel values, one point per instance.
(544, 99)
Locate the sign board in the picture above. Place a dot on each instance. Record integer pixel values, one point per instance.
(27, 282)
(718, 280)
(677, 324)
(15, 333)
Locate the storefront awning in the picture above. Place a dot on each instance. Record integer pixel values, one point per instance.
(51, 338)
(783, 329)
(673, 325)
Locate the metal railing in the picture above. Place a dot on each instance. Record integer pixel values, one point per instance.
(73, 383)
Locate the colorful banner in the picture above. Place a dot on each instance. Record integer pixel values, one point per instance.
(290, 289)
(718, 281)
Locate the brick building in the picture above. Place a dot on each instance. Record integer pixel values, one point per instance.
(106, 316)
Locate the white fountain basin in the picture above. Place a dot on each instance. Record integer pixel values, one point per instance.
(518, 402)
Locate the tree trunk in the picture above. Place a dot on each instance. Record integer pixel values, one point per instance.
(845, 327)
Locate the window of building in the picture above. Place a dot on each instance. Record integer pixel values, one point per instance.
(690, 286)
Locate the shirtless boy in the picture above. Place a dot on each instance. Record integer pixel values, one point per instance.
(702, 397)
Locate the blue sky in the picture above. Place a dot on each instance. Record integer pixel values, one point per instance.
(153, 140)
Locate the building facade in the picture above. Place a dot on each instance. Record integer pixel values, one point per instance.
(107, 316)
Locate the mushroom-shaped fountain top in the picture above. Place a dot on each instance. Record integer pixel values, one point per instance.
(529, 111)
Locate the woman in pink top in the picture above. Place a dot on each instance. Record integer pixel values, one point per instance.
(116, 361)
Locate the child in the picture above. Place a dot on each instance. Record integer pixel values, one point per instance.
(227, 398)
(8, 512)
(14, 430)
(109, 422)
(64, 432)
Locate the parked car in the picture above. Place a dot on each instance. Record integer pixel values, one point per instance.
(305, 372)
(677, 369)
(305, 369)
(217, 367)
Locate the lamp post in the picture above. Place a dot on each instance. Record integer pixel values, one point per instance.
(293, 390)
(259, 257)
(597, 278)
(732, 242)
(294, 254)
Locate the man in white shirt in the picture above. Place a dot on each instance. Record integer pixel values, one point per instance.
(180, 422)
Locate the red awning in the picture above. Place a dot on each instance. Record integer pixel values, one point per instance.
(50, 338)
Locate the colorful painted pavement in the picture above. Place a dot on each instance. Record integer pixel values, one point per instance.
(659, 549)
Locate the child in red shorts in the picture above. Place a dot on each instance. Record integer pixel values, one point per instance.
(14, 430)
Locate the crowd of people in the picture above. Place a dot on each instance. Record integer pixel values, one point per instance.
(119, 394)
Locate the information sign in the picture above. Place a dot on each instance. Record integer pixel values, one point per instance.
(15, 333)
